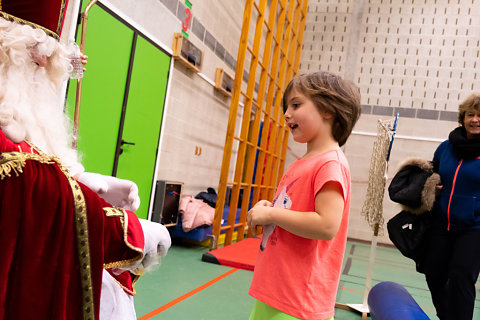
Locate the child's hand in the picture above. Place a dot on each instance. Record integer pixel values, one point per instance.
(259, 215)
(263, 203)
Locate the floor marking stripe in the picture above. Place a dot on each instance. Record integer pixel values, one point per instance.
(352, 249)
(186, 295)
(346, 289)
(348, 264)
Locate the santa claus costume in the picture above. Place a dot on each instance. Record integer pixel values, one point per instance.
(58, 236)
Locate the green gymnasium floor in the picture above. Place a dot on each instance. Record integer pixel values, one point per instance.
(185, 288)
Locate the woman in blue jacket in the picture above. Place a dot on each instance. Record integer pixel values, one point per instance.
(452, 261)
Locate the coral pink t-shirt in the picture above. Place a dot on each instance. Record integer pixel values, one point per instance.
(293, 274)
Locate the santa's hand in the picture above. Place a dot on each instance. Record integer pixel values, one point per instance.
(94, 181)
(121, 193)
(84, 59)
(157, 242)
(118, 192)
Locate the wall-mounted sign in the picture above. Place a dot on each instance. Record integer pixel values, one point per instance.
(188, 17)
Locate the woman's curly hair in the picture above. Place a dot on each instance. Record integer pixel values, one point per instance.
(469, 104)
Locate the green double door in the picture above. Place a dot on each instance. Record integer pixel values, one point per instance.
(122, 103)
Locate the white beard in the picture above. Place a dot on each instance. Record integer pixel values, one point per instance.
(31, 104)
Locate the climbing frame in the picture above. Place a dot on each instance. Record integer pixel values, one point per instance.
(270, 47)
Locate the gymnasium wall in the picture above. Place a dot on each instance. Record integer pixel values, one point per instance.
(418, 58)
(196, 115)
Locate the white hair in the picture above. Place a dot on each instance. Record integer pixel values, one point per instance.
(31, 101)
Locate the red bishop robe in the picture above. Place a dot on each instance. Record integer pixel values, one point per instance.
(56, 235)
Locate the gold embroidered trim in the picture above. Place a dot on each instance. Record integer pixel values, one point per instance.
(125, 234)
(132, 292)
(60, 17)
(113, 212)
(81, 225)
(122, 263)
(36, 149)
(118, 212)
(134, 281)
(12, 18)
(15, 161)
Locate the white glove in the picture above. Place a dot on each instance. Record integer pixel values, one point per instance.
(157, 242)
(118, 192)
(94, 181)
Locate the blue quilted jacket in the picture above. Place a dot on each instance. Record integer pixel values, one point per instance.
(458, 207)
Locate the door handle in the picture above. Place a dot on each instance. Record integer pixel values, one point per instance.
(126, 142)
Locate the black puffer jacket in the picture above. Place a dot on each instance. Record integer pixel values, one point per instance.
(413, 186)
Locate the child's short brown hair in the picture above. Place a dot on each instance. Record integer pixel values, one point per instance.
(469, 104)
(331, 94)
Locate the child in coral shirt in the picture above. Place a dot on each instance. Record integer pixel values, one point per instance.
(298, 269)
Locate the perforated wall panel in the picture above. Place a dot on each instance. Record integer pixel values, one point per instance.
(417, 54)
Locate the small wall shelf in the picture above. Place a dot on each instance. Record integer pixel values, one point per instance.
(186, 52)
(223, 82)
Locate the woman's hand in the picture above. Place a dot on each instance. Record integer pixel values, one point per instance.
(438, 189)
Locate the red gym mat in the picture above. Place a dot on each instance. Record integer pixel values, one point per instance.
(241, 255)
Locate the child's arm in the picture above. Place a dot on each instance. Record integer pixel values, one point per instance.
(322, 224)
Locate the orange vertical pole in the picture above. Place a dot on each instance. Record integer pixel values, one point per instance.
(250, 163)
(300, 28)
(271, 171)
(78, 93)
(222, 184)
(263, 156)
(245, 124)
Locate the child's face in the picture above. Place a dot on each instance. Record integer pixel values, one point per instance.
(304, 119)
